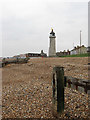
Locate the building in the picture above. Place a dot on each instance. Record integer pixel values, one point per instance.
(78, 50)
(88, 49)
(33, 55)
(52, 47)
(42, 54)
(73, 51)
(64, 53)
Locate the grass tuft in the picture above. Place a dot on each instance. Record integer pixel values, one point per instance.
(78, 55)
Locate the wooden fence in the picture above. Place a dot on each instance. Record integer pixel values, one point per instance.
(60, 81)
(80, 85)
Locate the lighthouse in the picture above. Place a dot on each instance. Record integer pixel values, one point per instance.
(52, 47)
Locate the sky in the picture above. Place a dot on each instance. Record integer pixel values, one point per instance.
(25, 25)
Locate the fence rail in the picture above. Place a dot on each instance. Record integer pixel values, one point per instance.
(80, 85)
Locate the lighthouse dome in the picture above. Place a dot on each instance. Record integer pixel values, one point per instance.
(52, 33)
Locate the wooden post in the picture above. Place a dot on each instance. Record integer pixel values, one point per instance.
(58, 90)
(65, 81)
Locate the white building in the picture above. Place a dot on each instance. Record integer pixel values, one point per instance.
(73, 52)
(78, 50)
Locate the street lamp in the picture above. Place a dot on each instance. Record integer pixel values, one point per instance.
(80, 41)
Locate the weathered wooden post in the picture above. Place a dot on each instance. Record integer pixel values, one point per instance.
(58, 91)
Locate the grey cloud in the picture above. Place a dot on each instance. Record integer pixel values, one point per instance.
(26, 26)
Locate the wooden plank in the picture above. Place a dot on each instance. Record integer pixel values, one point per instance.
(76, 83)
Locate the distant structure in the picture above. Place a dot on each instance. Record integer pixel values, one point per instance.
(52, 47)
(75, 51)
(89, 26)
(64, 53)
(42, 54)
(79, 50)
(31, 55)
(80, 40)
(88, 49)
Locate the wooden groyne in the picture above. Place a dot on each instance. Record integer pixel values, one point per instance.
(5, 62)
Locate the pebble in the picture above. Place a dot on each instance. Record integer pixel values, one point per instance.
(32, 96)
(73, 106)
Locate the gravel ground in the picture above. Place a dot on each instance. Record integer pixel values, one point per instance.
(27, 89)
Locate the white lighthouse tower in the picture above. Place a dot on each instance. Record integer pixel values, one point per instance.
(52, 47)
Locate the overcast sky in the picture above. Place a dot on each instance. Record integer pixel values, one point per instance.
(26, 25)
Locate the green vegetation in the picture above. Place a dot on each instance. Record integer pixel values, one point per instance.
(78, 55)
